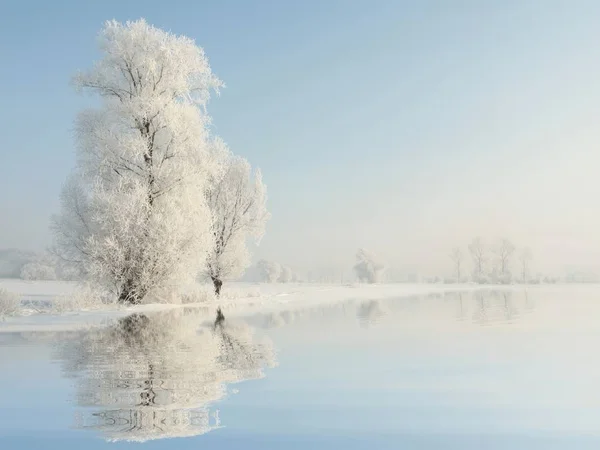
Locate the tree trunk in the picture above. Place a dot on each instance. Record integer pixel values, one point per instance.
(129, 295)
(220, 318)
(218, 284)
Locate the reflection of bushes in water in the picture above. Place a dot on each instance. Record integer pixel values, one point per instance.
(529, 304)
(480, 306)
(151, 423)
(325, 313)
(462, 312)
(493, 306)
(155, 376)
(510, 310)
(237, 352)
(370, 313)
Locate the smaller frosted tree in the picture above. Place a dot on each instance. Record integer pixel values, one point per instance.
(368, 269)
(504, 251)
(42, 267)
(270, 271)
(287, 275)
(478, 253)
(37, 270)
(237, 201)
(525, 258)
(9, 303)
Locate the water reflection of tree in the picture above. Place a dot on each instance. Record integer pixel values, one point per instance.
(370, 313)
(462, 312)
(158, 376)
(482, 306)
(494, 306)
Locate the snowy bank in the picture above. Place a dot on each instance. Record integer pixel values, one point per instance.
(238, 299)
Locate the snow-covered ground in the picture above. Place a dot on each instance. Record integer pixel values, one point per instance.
(38, 290)
(237, 299)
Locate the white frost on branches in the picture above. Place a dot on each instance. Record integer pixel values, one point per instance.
(134, 214)
(237, 202)
(368, 269)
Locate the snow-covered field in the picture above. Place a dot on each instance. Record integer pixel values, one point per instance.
(237, 299)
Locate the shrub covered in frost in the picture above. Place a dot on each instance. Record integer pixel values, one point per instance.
(38, 271)
(84, 298)
(10, 304)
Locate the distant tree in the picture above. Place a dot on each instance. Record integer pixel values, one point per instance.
(287, 275)
(38, 270)
(456, 255)
(368, 269)
(237, 201)
(525, 257)
(43, 266)
(504, 251)
(270, 271)
(67, 272)
(548, 279)
(134, 218)
(478, 254)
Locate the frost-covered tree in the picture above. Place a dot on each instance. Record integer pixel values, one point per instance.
(456, 255)
(66, 272)
(478, 254)
(237, 201)
(504, 250)
(10, 303)
(270, 271)
(525, 257)
(368, 269)
(38, 270)
(287, 275)
(43, 266)
(134, 215)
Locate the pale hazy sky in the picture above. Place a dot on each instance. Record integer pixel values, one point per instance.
(403, 127)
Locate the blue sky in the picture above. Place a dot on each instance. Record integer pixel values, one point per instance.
(403, 127)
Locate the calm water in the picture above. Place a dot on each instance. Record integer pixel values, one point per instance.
(494, 370)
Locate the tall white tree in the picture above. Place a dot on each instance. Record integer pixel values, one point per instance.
(134, 215)
(368, 269)
(478, 254)
(238, 204)
(456, 255)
